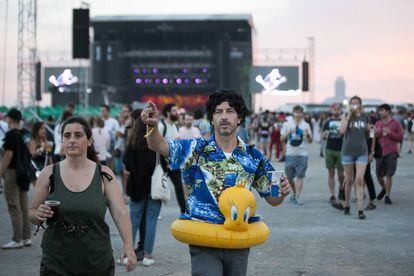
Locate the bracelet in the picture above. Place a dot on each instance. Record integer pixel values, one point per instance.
(150, 129)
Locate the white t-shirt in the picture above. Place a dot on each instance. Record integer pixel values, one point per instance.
(296, 141)
(3, 129)
(111, 125)
(101, 142)
(188, 133)
(172, 130)
(57, 138)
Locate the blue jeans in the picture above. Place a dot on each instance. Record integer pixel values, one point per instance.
(151, 209)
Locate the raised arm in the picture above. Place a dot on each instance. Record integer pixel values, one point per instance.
(344, 122)
(156, 142)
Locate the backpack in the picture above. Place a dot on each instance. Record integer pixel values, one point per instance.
(24, 169)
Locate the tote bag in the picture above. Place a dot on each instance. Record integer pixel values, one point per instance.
(160, 183)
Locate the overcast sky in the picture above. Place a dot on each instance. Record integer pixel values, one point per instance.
(370, 43)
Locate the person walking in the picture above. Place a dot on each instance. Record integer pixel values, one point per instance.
(140, 162)
(77, 240)
(297, 134)
(333, 153)
(355, 127)
(390, 134)
(207, 166)
(15, 192)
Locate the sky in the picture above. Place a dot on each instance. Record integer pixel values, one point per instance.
(369, 43)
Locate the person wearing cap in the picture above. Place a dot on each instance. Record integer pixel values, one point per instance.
(16, 197)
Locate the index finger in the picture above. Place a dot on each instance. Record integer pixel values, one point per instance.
(152, 105)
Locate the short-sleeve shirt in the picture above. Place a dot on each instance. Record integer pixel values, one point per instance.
(355, 137)
(296, 142)
(11, 142)
(334, 141)
(207, 172)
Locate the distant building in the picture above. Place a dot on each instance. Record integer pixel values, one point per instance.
(340, 89)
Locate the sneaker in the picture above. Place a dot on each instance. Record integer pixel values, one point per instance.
(347, 211)
(298, 201)
(338, 206)
(122, 261)
(371, 206)
(27, 242)
(12, 245)
(282, 159)
(361, 215)
(147, 262)
(292, 198)
(332, 200)
(381, 194)
(409, 152)
(387, 200)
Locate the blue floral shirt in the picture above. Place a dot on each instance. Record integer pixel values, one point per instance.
(207, 172)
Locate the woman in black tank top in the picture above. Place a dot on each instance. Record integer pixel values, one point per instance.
(77, 239)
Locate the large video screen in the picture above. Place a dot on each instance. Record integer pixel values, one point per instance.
(70, 79)
(266, 79)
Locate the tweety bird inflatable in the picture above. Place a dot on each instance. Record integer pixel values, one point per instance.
(237, 204)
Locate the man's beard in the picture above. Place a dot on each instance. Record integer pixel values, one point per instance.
(173, 118)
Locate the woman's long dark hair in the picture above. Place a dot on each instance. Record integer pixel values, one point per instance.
(137, 131)
(35, 129)
(91, 153)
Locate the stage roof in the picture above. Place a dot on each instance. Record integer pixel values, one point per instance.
(177, 17)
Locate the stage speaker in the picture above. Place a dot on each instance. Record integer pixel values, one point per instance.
(80, 33)
(38, 80)
(305, 76)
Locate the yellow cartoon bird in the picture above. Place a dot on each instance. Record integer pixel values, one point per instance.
(237, 204)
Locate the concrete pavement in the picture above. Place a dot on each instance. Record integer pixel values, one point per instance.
(313, 239)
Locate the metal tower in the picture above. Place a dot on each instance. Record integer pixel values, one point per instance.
(26, 53)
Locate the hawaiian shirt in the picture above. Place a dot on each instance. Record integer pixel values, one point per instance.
(207, 172)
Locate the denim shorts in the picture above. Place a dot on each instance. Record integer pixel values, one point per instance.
(350, 160)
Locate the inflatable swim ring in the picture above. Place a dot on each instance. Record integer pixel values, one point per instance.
(237, 204)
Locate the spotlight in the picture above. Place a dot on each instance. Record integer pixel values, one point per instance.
(186, 81)
(157, 81)
(197, 81)
(144, 71)
(138, 81)
(165, 81)
(147, 81)
(185, 70)
(154, 70)
(178, 81)
(204, 70)
(136, 70)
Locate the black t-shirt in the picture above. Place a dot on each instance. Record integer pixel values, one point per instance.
(334, 141)
(11, 141)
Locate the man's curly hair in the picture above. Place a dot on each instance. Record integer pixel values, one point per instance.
(234, 99)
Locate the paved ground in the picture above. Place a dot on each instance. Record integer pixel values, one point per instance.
(313, 239)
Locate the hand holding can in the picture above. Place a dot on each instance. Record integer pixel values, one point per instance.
(276, 177)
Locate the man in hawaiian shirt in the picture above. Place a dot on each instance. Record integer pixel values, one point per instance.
(211, 166)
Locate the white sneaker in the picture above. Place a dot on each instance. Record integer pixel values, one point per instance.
(147, 262)
(27, 242)
(12, 245)
(123, 261)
